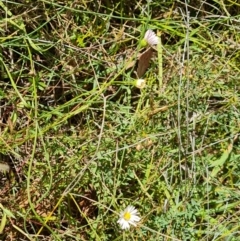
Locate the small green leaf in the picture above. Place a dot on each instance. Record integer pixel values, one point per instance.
(3, 222)
(5, 9)
(217, 165)
(8, 213)
(34, 46)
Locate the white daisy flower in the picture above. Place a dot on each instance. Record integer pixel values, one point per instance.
(140, 83)
(151, 38)
(129, 216)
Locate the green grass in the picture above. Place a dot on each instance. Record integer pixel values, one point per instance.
(83, 142)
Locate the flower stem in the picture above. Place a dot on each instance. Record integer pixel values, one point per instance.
(160, 70)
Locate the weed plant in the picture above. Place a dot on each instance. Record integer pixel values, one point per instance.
(83, 142)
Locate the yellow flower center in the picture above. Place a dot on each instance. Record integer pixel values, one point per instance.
(127, 216)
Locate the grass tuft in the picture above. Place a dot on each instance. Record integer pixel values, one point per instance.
(80, 142)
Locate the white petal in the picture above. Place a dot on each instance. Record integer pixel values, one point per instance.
(134, 217)
(151, 37)
(123, 224)
(148, 34)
